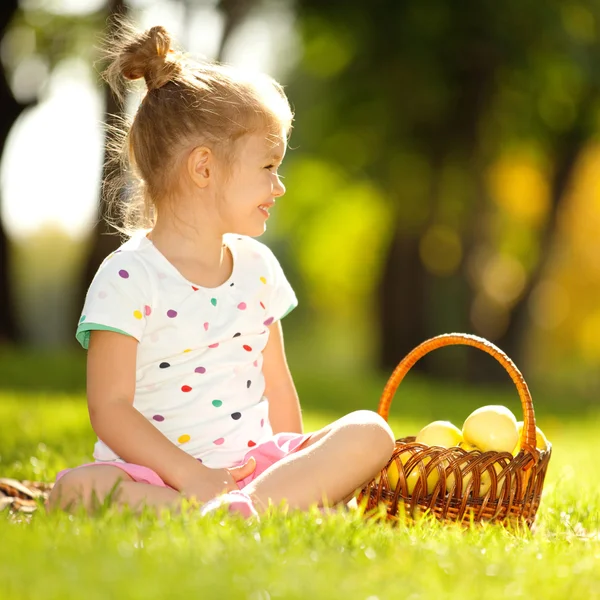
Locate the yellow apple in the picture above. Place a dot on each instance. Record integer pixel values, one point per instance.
(440, 433)
(491, 427)
(541, 441)
(485, 482)
(467, 447)
(413, 476)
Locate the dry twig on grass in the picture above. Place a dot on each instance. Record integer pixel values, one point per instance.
(22, 496)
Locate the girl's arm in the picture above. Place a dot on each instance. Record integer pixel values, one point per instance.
(111, 376)
(284, 405)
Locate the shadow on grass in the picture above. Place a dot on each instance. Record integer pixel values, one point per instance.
(35, 370)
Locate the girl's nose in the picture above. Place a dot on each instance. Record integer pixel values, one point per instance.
(278, 188)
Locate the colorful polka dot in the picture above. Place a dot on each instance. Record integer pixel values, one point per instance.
(124, 274)
(219, 442)
(236, 416)
(187, 350)
(199, 370)
(255, 363)
(182, 439)
(213, 301)
(263, 279)
(242, 306)
(199, 460)
(186, 388)
(171, 313)
(248, 383)
(264, 307)
(247, 348)
(147, 310)
(164, 365)
(251, 444)
(231, 285)
(158, 418)
(217, 403)
(195, 289)
(269, 321)
(137, 314)
(214, 345)
(205, 326)
(237, 334)
(262, 422)
(82, 319)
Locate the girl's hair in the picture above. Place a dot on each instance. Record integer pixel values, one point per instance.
(189, 102)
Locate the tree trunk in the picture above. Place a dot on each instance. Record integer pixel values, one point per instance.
(422, 304)
(402, 314)
(104, 241)
(234, 12)
(567, 150)
(11, 109)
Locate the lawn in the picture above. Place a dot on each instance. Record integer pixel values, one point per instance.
(299, 555)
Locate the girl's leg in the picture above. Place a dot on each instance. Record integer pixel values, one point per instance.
(88, 486)
(334, 462)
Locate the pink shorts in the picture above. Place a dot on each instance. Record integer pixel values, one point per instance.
(265, 454)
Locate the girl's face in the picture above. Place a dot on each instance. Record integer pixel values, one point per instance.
(253, 185)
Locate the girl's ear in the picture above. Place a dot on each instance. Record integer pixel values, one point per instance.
(200, 165)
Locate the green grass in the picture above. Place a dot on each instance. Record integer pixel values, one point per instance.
(299, 555)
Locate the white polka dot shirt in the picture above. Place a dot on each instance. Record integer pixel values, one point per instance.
(199, 373)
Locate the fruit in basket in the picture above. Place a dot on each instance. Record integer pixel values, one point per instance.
(491, 427)
(440, 433)
(541, 441)
(468, 447)
(413, 476)
(485, 481)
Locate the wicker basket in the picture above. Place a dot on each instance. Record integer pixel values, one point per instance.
(454, 484)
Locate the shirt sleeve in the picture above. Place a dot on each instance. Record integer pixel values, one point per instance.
(282, 298)
(118, 299)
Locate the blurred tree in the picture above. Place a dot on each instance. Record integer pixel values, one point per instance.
(35, 41)
(566, 142)
(425, 98)
(11, 109)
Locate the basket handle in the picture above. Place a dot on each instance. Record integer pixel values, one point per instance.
(528, 435)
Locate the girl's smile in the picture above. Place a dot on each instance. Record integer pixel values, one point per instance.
(264, 209)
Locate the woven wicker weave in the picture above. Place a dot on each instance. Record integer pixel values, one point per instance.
(511, 488)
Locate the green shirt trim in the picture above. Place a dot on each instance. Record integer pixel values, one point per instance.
(83, 332)
(289, 310)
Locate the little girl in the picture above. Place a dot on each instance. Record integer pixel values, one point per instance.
(188, 387)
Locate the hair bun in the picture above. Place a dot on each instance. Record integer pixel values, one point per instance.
(150, 56)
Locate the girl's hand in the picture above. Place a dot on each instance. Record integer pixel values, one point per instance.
(214, 482)
(241, 472)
